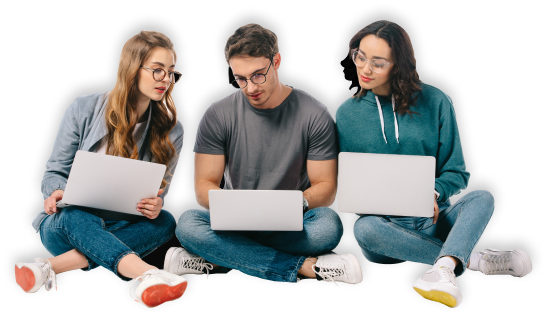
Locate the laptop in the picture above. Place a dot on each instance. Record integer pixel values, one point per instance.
(111, 183)
(267, 210)
(382, 184)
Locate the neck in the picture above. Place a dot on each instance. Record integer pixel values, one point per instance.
(280, 94)
(382, 90)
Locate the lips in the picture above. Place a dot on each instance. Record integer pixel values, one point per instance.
(255, 96)
(365, 79)
(160, 89)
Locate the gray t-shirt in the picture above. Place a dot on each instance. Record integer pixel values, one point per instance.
(267, 149)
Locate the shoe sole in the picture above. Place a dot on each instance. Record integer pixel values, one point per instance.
(354, 261)
(438, 296)
(25, 278)
(161, 293)
(448, 295)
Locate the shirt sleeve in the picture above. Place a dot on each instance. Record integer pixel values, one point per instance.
(451, 174)
(66, 145)
(210, 138)
(323, 138)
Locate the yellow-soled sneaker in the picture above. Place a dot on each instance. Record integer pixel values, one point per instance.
(158, 287)
(513, 262)
(438, 284)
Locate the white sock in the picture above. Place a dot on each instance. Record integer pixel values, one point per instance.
(474, 260)
(445, 261)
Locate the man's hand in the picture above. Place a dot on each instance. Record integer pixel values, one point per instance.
(151, 208)
(49, 205)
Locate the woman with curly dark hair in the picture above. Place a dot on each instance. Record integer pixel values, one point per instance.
(393, 112)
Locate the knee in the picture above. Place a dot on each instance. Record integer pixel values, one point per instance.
(330, 223)
(484, 201)
(166, 222)
(367, 231)
(189, 224)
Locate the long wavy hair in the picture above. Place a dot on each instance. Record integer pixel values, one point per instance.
(404, 79)
(121, 112)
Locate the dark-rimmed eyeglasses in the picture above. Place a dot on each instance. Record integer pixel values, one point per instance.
(159, 74)
(241, 83)
(376, 65)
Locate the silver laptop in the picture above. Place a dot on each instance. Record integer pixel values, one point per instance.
(382, 184)
(111, 183)
(271, 210)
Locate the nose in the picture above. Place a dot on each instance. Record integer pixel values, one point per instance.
(367, 68)
(167, 78)
(251, 86)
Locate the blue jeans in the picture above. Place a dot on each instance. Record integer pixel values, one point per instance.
(394, 239)
(104, 242)
(271, 255)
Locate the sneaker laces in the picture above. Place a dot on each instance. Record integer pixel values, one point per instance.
(331, 272)
(448, 274)
(196, 263)
(144, 276)
(497, 263)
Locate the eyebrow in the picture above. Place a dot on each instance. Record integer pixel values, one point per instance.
(374, 57)
(259, 70)
(160, 64)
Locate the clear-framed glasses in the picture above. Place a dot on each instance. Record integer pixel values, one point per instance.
(159, 74)
(241, 83)
(376, 65)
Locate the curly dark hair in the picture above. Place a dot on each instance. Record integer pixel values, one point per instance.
(404, 79)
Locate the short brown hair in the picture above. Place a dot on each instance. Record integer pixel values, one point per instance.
(251, 40)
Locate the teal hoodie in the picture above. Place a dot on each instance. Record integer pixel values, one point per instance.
(431, 133)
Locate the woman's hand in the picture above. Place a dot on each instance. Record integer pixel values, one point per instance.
(151, 208)
(49, 205)
(436, 210)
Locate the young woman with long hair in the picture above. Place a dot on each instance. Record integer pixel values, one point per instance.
(136, 120)
(393, 112)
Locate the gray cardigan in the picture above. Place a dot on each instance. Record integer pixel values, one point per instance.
(82, 128)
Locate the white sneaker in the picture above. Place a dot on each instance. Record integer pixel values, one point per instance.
(179, 261)
(159, 286)
(333, 267)
(438, 284)
(513, 262)
(31, 276)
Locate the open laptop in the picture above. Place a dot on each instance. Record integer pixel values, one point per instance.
(111, 183)
(269, 210)
(401, 185)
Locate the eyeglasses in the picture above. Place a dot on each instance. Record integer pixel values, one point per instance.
(376, 65)
(241, 83)
(159, 74)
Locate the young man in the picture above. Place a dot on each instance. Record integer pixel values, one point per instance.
(266, 136)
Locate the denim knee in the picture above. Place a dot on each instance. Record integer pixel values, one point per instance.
(165, 222)
(328, 227)
(188, 224)
(368, 233)
(484, 199)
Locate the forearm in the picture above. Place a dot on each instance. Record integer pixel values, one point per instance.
(202, 192)
(320, 194)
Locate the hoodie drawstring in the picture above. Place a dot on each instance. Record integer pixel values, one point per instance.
(382, 118)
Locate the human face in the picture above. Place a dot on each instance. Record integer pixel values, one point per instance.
(245, 67)
(150, 89)
(375, 48)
